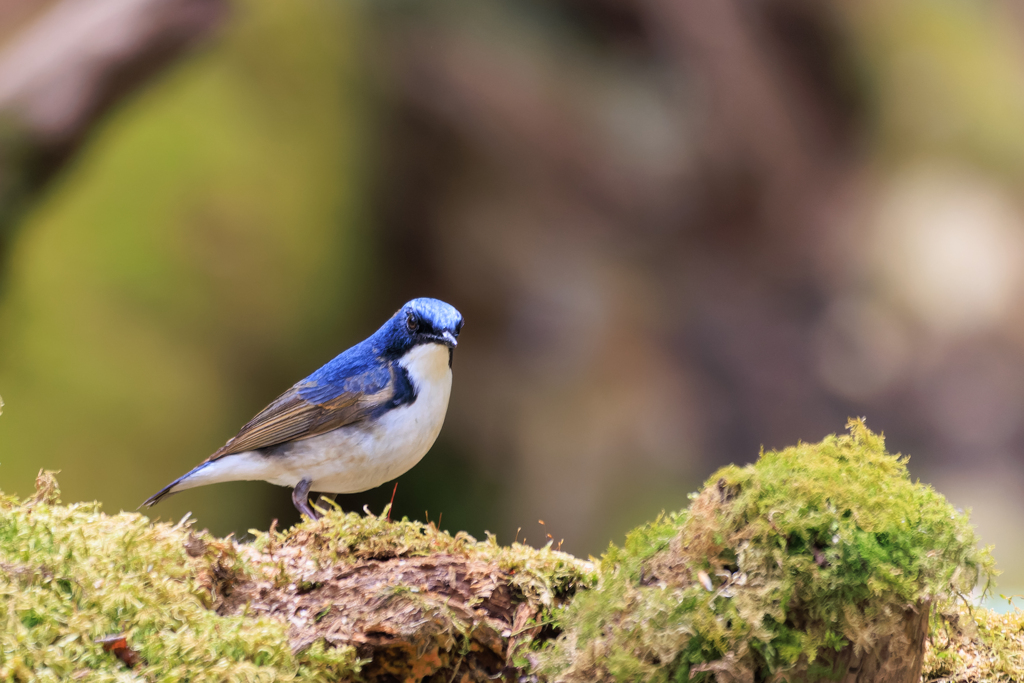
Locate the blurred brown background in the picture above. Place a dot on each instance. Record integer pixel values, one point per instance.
(678, 230)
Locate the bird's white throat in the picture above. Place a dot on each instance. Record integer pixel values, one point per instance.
(427, 364)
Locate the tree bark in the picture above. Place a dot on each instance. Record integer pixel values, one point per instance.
(893, 661)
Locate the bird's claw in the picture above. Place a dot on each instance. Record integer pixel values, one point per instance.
(300, 498)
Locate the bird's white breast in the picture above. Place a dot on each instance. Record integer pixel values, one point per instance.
(407, 432)
(365, 454)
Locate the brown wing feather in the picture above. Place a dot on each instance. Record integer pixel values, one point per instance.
(291, 418)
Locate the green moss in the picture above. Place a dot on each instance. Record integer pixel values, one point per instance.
(541, 575)
(70, 575)
(775, 567)
(977, 645)
(773, 571)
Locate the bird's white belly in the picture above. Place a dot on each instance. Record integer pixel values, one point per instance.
(360, 456)
(354, 459)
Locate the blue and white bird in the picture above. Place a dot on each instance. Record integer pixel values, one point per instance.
(363, 419)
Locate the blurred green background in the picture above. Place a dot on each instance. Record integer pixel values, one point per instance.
(678, 232)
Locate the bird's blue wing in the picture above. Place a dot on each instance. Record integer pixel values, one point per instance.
(338, 394)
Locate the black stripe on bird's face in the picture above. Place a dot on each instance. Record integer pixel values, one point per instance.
(410, 328)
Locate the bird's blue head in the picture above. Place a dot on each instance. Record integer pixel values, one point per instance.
(421, 321)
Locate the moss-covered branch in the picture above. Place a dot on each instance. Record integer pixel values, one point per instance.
(820, 561)
(347, 595)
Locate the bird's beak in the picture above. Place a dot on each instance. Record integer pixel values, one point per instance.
(449, 339)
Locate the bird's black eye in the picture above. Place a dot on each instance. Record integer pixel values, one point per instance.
(458, 328)
(411, 322)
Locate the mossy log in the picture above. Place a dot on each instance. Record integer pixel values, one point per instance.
(346, 597)
(821, 562)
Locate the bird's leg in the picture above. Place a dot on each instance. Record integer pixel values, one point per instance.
(300, 497)
(392, 503)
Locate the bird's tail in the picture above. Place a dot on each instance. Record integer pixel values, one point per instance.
(173, 487)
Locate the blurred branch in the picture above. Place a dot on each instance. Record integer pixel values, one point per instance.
(710, 40)
(521, 117)
(772, 105)
(62, 73)
(765, 78)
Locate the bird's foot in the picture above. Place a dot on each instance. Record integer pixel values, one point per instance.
(325, 501)
(300, 498)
